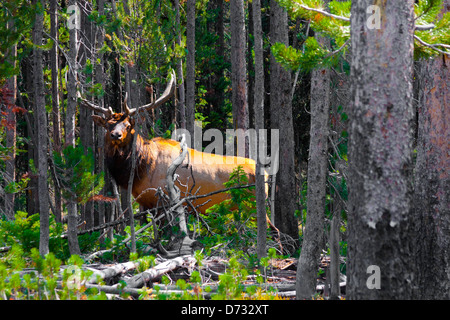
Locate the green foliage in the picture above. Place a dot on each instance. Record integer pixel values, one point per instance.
(427, 12)
(332, 27)
(75, 171)
(43, 281)
(231, 283)
(233, 221)
(314, 55)
(21, 13)
(24, 231)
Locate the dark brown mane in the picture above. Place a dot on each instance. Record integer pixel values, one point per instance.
(118, 160)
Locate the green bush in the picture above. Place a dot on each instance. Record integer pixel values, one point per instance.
(233, 221)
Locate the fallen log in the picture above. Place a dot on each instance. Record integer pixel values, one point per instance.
(148, 275)
(115, 289)
(111, 272)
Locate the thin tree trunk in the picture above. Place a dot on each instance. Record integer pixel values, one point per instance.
(334, 256)
(74, 247)
(10, 163)
(238, 69)
(100, 78)
(55, 98)
(41, 116)
(86, 123)
(190, 68)
(259, 124)
(281, 118)
(317, 181)
(180, 77)
(380, 259)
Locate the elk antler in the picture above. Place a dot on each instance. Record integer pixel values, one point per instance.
(125, 104)
(170, 89)
(107, 112)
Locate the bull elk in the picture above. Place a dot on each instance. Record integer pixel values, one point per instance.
(153, 157)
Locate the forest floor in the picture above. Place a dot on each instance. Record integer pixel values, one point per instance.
(187, 277)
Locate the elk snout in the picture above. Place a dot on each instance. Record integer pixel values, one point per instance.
(116, 135)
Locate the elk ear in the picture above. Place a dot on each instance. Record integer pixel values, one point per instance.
(132, 122)
(100, 121)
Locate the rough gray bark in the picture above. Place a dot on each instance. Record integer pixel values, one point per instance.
(55, 99)
(259, 124)
(281, 118)
(432, 179)
(10, 164)
(100, 76)
(74, 248)
(41, 115)
(238, 68)
(317, 183)
(86, 123)
(380, 153)
(180, 77)
(334, 257)
(190, 68)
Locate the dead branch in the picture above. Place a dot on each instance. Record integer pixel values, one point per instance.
(148, 275)
(111, 272)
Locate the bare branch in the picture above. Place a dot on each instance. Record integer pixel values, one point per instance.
(434, 46)
(426, 27)
(342, 18)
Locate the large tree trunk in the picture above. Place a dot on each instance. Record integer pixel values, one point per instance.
(259, 124)
(317, 183)
(281, 118)
(380, 262)
(41, 116)
(432, 179)
(190, 68)
(238, 69)
(72, 237)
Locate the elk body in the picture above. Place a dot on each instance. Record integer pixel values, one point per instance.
(153, 158)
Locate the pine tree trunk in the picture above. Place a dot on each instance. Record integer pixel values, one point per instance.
(281, 118)
(432, 179)
(180, 77)
(55, 99)
(100, 78)
(380, 261)
(10, 164)
(238, 69)
(72, 237)
(86, 123)
(190, 68)
(41, 116)
(317, 183)
(259, 124)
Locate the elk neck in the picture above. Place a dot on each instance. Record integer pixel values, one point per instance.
(119, 159)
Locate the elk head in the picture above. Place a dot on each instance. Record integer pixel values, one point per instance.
(120, 126)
